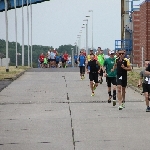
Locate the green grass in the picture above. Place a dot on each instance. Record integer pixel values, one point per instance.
(13, 72)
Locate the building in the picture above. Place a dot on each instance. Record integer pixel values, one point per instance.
(141, 33)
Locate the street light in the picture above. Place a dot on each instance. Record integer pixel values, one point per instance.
(86, 35)
(72, 49)
(79, 38)
(92, 26)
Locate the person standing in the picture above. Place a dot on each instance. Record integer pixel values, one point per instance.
(122, 65)
(93, 67)
(111, 76)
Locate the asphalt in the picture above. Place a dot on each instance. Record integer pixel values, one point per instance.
(51, 109)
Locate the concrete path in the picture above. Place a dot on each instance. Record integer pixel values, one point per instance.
(51, 109)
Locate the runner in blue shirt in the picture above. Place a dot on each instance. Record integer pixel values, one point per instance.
(82, 60)
(76, 60)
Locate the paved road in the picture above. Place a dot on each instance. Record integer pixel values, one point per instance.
(51, 109)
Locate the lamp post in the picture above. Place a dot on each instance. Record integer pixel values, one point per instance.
(28, 32)
(6, 20)
(31, 32)
(72, 60)
(79, 37)
(92, 27)
(16, 32)
(22, 35)
(86, 35)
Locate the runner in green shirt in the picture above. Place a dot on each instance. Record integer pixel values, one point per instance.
(101, 59)
(111, 76)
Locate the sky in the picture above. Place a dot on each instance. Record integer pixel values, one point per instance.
(58, 22)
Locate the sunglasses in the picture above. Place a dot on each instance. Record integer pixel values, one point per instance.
(121, 53)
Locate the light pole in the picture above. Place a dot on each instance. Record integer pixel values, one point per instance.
(92, 27)
(16, 33)
(84, 39)
(28, 32)
(86, 35)
(72, 60)
(22, 35)
(76, 46)
(6, 20)
(79, 37)
(31, 31)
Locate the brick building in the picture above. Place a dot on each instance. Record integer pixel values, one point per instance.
(141, 32)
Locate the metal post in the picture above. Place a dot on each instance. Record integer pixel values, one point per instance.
(31, 32)
(22, 35)
(92, 27)
(6, 20)
(28, 32)
(86, 38)
(76, 47)
(16, 33)
(72, 60)
(142, 58)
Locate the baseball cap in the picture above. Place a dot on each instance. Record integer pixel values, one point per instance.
(111, 52)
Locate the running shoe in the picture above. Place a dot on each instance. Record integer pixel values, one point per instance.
(114, 102)
(92, 94)
(109, 101)
(148, 109)
(123, 105)
(120, 107)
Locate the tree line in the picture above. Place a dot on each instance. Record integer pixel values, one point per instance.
(36, 51)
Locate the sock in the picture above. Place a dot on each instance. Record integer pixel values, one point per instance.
(109, 93)
(114, 94)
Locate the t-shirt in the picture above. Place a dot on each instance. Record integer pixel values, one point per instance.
(93, 66)
(65, 56)
(82, 60)
(57, 58)
(101, 59)
(45, 60)
(122, 73)
(41, 58)
(109, 63)
(88, 57)
(53, 55)
(76, 57)
(147, 78)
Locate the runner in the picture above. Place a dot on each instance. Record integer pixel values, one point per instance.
(53, 61)
(82, 60)
(111, 76)
(41, 60)
(101, 61)
(147, 85)
(75, 60)
(45, 61)
(49, 58)
(122, 67)
(65, 56)
(92, 69)
(57, 59)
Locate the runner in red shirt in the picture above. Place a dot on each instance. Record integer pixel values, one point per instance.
(41, 58)
(65, 56)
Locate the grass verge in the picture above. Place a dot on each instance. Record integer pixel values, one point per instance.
(133, 78)
(13, 72)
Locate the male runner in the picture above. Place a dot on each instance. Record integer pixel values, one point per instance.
(111, 76)
(101, 61)
(92, 69)
(147, 86)
(122, 67)
(82, 60)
